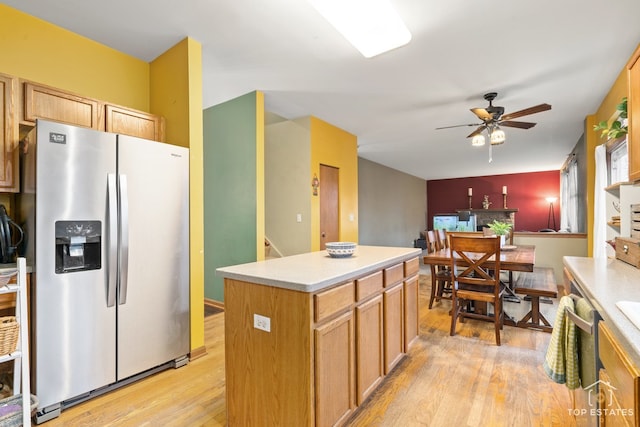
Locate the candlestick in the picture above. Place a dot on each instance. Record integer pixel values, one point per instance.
(504, 189)
(470, 199)
(470, 192)
(504, 200)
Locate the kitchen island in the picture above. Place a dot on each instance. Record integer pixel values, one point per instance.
(309, 337)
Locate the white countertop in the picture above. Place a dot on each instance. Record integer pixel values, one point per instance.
(607, 281)
(314, 271)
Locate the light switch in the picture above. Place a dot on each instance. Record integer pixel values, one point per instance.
(299, 217)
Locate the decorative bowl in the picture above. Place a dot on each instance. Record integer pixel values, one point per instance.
(340, 249)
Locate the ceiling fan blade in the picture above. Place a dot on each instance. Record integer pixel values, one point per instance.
(457, 126)
(520, 125)
(477, 131)
(527, 111)
(482, 114)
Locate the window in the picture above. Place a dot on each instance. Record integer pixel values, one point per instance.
(569, 197)
(618, 159)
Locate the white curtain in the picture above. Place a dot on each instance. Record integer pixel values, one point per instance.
(569, 198)
(599, 205)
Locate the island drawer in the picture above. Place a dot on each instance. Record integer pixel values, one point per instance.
(411, 267)
(393, 275)
(333, 300)
(368, 285)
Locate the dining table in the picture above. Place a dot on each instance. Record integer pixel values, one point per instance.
(513, 258)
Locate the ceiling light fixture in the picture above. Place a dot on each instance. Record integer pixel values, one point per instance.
(372, 26)
(497, 136)
(477, 141)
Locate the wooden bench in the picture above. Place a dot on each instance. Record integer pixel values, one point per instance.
(539, 283)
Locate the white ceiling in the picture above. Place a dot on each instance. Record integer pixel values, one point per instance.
(566, 53)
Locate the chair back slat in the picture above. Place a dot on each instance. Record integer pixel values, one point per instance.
(443, 241)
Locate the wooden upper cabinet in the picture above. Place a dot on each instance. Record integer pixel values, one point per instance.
(9, 135)
(126, 121)
(633, 115)
(43, 102)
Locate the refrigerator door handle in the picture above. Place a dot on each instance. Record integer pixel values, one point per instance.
(112, 262)
(124, 239)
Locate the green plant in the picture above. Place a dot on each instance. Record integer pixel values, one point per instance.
(617, 129)
(499, 227)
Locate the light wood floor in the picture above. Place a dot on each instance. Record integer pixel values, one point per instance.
(464, 380)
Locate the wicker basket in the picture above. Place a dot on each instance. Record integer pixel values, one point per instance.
(9, 331)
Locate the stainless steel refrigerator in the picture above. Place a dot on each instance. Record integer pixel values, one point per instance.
(107, 220)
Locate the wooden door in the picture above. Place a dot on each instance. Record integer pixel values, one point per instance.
(335, 371)
(393, 326)
(329, 205)
(369, 347)
(9, 162)
(411, 315)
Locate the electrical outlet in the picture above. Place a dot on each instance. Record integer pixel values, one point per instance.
(299, 217)
(261, 322)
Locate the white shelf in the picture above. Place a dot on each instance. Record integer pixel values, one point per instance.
(20, 356)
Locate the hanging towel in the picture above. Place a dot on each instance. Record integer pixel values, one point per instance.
(561, 360)
(587, 344)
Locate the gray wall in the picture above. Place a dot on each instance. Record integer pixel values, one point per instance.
(392, 205)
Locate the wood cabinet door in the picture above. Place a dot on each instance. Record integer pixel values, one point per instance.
(411, 319)
(126, 121)
(633, 115)
(42, 102)
(393, 327)
(611, 410)
(9, 137)
(335, 371)
(369, 347)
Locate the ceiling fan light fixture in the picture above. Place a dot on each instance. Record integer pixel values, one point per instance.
(477, 141)
(371, 26)
(497, 136)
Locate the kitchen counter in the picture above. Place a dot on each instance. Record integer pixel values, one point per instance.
(309, 337)
(606, 281)
(315, 271)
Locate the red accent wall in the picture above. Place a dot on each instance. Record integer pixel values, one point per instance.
(525, 191)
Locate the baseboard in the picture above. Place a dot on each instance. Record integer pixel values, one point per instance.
(214, 303)
(197, 353)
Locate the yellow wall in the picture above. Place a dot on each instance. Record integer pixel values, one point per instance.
(333, 146)
(176, 94)
(39, 51)
(171, 86)
(606, 111)
(260, 187)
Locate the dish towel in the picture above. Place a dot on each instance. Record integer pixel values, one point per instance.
(561, 360)
(587, 343)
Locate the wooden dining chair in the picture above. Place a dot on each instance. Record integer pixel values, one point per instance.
(440, 274)
(472, 281)
(443, 241)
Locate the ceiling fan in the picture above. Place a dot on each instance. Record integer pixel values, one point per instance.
(493, 117)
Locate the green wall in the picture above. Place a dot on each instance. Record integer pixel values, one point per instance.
(230, 188)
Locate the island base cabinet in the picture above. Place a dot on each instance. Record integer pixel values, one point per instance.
(308, 358)
(369, 347)
(393, 327)
(335, 371)
(268, 374)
